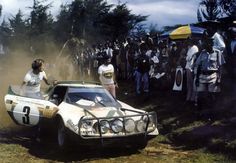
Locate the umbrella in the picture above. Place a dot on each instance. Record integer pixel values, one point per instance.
(184, 32)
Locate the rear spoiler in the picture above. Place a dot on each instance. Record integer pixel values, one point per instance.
(11, 91)
(78, 82)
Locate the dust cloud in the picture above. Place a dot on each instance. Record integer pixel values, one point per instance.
(14, 66)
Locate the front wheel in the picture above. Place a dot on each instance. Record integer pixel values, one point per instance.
(62, 137)
(140, 145)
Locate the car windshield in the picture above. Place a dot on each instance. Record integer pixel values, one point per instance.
(98, 95)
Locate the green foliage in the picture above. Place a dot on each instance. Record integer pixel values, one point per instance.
(18, 31)
(41, 21)
(85, 18)
(63, 25)
(95, 21)
(119, 22)
(40, 27)
(5, 33)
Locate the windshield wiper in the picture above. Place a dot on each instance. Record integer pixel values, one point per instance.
(89, 99)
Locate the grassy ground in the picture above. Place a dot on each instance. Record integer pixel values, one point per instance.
(185, 126)
(19, 148)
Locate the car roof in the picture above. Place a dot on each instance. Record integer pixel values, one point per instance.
(78, 84)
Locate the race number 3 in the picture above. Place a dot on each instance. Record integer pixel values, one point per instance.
(26, 119)
(26, 114)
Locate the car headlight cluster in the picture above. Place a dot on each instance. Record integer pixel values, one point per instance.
(105, 126)
(128, 125)
(141, 126)
(117, 125)
(87, 124)
(152, 122)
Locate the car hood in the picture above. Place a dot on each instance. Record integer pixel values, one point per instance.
(72, 114)
(69, 110)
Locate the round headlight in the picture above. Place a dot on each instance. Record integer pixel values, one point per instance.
(117, 126)
(151, 120)
(141, 126)
(87, 124)
(129, 125)
(104, 126)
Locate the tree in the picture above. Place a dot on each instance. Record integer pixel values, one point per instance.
(87, 17)
(18, 31)
(5, 33)
(41, 22)
(82, 19)
(95, 20)
(63, 25)
(120, 22)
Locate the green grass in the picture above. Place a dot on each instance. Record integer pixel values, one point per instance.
(16, 153)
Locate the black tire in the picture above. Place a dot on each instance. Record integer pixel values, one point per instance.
(62, 137)
(140, 146)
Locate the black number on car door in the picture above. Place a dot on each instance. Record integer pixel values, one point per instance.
(25, 118)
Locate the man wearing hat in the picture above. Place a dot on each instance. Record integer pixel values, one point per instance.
(208, 70)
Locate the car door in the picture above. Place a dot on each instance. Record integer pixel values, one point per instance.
(29, 111)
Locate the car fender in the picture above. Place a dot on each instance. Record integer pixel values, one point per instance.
(70, 115)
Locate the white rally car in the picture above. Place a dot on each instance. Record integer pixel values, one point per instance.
(85, 113)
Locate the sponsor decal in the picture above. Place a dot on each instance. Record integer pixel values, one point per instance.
(108, 75)
(48, 112)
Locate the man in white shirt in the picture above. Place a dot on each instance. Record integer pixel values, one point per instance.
(218, 42)
(190, 58)
(32, 79)
(106, 75)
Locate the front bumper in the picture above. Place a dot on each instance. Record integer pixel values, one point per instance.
(117, 141)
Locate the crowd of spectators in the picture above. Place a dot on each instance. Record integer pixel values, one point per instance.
(151, 63)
